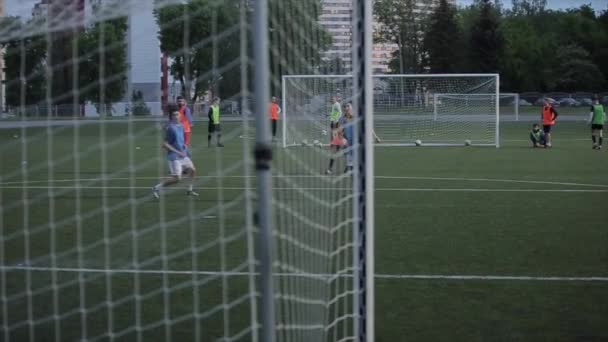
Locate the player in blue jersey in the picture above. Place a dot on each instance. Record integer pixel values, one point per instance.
(177, 157)
(347, 127)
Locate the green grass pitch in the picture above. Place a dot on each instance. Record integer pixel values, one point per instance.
(472, 243)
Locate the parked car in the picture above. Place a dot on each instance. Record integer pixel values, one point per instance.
(568, 102)
(586, 101)
(522, 102)
(541, 101)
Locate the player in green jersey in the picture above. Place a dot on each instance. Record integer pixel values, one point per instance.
(597, 118)
(537, 136)
(336, 112)
(214, 123)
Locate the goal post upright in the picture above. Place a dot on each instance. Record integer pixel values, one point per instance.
(283, 112)
(363, 180)
(497, 110)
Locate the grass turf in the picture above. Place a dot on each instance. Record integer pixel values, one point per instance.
(513, 211)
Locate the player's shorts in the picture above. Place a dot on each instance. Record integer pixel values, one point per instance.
(177, 167)
(547, 128)
(597, 127)
(214, 128)
(333, 124)
(338, 141)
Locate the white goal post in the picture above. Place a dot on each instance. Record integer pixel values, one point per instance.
(408, 109)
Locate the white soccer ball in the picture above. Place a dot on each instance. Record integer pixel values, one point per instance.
(418, 143)
(467, 142)
(304, 142)
(316, 143)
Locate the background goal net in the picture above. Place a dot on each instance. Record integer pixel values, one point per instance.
(435, 109)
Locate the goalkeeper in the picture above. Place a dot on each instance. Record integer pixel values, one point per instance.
(335, 114)
(597, 118)
(537, 136)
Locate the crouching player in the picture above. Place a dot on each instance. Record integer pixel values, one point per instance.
(177, 156)
(537, 136)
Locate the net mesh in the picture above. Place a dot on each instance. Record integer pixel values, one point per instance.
(88, 253)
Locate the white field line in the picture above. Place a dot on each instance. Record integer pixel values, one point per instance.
(304, 275)
(41, 187)
(497, 180)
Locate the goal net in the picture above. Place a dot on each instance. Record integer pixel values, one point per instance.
(97, 240)
(508, 104)
(432, 109)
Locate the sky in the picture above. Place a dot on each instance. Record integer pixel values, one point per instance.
(598, 5)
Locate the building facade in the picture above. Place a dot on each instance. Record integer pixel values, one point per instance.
(337, 17)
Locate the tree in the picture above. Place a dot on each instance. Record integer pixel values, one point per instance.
(297, 40)
(24, 62)
(443, 40)
(600, 54)
(198, 35)
(102, 64)
(487, 42)
(524, 64)
(402, 24)
(528, 7)
(138, 105)
(576, 71)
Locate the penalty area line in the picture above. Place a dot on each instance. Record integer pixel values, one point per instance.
(456, 277)
(64, 187)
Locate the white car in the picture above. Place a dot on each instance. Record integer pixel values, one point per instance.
(568, 102)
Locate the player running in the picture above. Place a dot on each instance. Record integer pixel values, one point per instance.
(597, 118)
(177, 156)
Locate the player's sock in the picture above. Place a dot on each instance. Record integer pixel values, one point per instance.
(157, 187)
(601, 140)
(331, 164)
(208, 140)
(593, 138)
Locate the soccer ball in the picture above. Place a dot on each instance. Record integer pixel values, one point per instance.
(304, 142)
(418, 143)
(467, 142)
(324, 132)
(317, 143)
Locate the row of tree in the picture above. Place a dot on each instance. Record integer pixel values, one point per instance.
(209, 44)
(533, 48)
(72, 66)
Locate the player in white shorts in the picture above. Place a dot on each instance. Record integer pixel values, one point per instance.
(177, 157)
